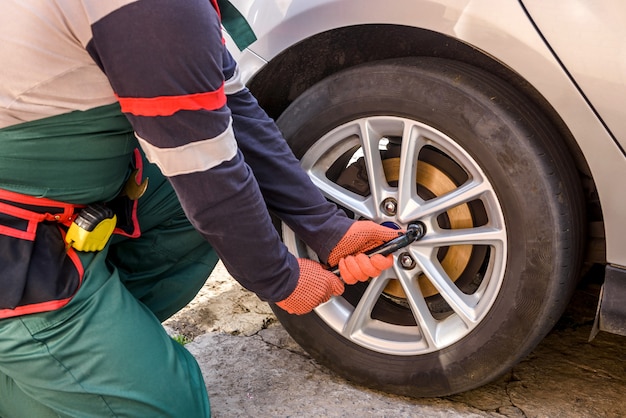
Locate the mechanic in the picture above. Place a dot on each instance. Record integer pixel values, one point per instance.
(95, 98)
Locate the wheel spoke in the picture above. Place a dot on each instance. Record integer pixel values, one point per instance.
(412, 143)
(361, 206)
(323, 155)
(424, 319)
(484, 235)
(462, 304)
(370, 143)
(416, 208)
(361, 315)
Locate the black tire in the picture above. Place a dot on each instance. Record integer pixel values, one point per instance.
(534, 183)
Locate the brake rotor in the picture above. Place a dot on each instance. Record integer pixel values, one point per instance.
(456, 257)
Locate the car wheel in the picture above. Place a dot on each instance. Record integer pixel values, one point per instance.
(453, 147)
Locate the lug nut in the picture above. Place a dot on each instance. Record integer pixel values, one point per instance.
(406, 261)
(390, 206)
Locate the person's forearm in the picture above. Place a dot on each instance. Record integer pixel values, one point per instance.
(226, 207)
(287, 190)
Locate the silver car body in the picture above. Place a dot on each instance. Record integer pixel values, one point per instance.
(572, 52)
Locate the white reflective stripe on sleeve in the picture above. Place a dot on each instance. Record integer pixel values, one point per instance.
(234, 84)
(194, 157)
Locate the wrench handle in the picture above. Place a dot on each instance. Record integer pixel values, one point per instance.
(413, 233)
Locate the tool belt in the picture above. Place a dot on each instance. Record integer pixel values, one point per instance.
(38, 271)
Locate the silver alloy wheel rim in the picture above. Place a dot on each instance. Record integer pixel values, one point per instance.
(430, 334)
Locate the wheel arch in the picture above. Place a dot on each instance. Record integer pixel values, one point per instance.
(305, 63)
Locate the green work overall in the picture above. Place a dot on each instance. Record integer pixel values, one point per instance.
(106, 353)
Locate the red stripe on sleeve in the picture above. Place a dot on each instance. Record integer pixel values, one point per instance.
(168, 105)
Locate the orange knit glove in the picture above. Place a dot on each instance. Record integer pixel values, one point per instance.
(315, 286)
(359, 268)
(362, 236)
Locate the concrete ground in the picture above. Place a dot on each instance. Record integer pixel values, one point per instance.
(252, 368)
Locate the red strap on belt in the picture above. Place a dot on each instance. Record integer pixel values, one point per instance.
(36, 208)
